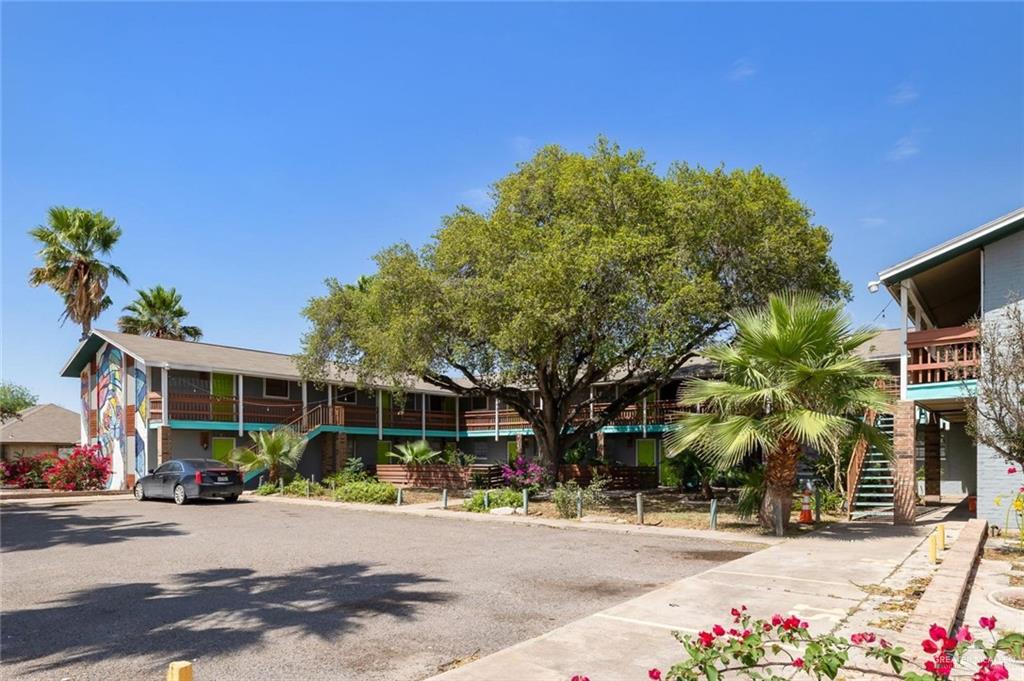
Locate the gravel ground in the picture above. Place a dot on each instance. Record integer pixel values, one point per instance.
(117, 589)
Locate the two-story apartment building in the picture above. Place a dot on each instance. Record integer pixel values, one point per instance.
(940, 291)
(145, 400)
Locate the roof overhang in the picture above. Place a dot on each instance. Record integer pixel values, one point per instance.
(976, 238)
(83, 354)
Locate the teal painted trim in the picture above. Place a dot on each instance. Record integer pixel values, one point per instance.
(367, 430)
(658, 428)
(220, 425)
(942, 391)
(511, 432)
(252, 475)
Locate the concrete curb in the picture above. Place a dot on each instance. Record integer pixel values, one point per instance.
(430, 510)
(947, 592)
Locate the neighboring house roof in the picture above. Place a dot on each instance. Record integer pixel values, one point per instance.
(979, 236)
(886, 345)
(46, 424)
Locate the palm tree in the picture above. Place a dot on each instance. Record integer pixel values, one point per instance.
(158, 312)
(789, 380)
(275, 450)
(73, 240)
(414, 453)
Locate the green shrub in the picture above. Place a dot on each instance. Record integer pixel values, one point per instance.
(565, 495)
(831, 501)
(297, 488)
(266, 489)
(345, 476)
(497, 498)
(367, 492)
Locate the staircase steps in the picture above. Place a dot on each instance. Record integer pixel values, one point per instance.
(875, 487)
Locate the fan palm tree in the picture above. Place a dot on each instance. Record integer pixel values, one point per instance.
(789, 380)
(73, 242)
(414, 453)
(274, 450)
(158, 312)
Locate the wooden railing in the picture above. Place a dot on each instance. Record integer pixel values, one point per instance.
(856, 465)
(657, 413)
(619, 477)
(940, 355)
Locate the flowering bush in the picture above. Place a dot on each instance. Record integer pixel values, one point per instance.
(523, 474)
(84, 468)
(27, 471)
(743, 648)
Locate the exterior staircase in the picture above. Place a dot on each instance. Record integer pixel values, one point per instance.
(872, 486)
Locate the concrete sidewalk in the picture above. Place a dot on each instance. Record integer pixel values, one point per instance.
(814, 577)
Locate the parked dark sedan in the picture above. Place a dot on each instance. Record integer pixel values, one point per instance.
(185, 479)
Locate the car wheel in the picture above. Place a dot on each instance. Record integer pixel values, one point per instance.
(231, 499)
(179, 495)
(139, 494)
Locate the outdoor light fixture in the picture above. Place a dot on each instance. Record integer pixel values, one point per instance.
(873, 286)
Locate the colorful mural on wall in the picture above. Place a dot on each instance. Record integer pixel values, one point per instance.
(110, 405)
(141, 421)
(85, 405)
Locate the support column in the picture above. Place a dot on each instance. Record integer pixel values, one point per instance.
(456, 418)
(164, 442)
(904, 301)
(423, 416)
(932, 460)
(240, 402)
(904, 428)
(341, 450)
(326, 454)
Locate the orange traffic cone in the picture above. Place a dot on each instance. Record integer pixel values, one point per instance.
(805, 508)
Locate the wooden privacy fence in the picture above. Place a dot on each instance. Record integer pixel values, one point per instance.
(439, 476)
(619, 477)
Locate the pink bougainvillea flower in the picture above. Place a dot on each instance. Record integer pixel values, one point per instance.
(654, 674)
(746, 633)
(987, 623)
(929, 646)
(718, 630)
(964, 634)
(767, 627)
(776, 620)
(579, 677)
(798, 663)
(706, 638)
(1011, 470)
(883, 643)
(857, 639)
(936, 633)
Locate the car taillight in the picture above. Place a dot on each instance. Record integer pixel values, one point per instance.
(199, 477)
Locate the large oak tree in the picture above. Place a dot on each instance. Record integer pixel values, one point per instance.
(587, 269)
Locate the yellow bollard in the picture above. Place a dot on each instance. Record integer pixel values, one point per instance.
(932, 549)
(942, 536)
(179, 671)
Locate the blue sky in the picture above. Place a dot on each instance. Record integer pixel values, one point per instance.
(250, 150)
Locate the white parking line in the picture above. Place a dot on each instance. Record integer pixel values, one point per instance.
(630, 620)
(774, 577)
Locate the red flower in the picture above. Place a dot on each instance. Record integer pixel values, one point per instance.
(718, 630)
(964, 634)
(987, 623)
(746, 633)
(767, 627)
(949, 644)
(857, 639)
(1011, 470)
(883, 643)
(776, 620)
(578, 677)
(654, 674)
(706, 639)
(929, 646)
(798, 663)
(936, 632)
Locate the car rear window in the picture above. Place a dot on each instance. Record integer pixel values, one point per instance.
(205, 464)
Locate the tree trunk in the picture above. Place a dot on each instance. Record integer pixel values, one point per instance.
(86, 328)
(780, 483)
(272, 472)
(549, 447)
(705, 487)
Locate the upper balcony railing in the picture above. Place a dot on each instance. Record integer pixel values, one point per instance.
(200, 407)
(941, 355)
(655, 413)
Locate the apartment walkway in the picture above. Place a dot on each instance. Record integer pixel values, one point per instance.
(815, 577)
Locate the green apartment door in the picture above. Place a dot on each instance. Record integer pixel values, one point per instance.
(383, 449)
(646, 452)
(222, 389)
(221, 447)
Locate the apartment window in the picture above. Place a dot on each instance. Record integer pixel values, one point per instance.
(478, 402)
(345, 395)
(275, 387)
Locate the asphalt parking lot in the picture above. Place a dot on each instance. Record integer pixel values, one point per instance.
(116, 589)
